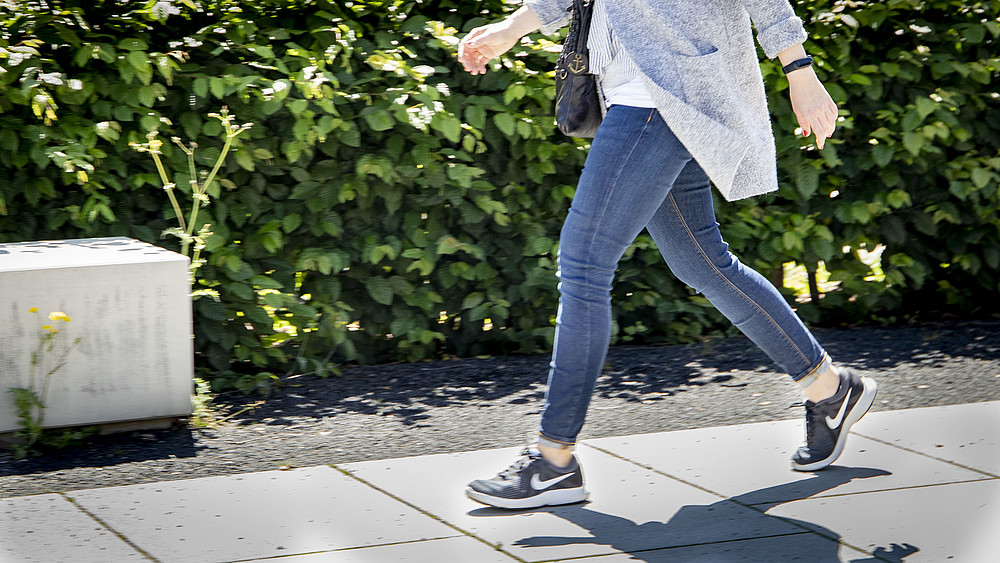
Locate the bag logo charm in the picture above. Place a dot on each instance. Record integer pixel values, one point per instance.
(578, 105)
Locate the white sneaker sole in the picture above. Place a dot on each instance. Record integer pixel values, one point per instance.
(860, 409)
(547, 498)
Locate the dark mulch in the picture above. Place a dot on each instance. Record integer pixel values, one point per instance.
(378, 412)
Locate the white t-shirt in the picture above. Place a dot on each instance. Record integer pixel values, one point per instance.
(632, 93)
(621, 80)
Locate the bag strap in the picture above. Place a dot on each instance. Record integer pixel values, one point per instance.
(575, 57)
(586, 10)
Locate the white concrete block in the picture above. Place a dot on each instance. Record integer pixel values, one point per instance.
(130, 306)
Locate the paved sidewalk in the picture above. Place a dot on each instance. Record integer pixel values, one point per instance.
(914, 485)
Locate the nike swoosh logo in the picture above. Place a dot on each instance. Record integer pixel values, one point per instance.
(540, 485)
(834, 423)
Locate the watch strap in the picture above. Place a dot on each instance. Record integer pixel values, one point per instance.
(797, 64)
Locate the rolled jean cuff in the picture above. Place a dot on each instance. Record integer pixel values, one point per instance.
(810, 376)
(556, 444)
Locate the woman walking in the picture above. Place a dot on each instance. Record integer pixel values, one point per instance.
(685, 108)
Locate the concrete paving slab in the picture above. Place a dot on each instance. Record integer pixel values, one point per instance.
(965, 434)
(750, 463)
(632, 509)
(458, 549)
(802, 548)
(957, 522)
(256, 515)
(49, 529)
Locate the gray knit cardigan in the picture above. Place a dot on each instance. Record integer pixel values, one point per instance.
(700, 64)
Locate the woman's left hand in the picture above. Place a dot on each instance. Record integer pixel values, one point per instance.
(812, 104)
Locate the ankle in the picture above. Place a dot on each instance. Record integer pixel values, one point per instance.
(826, 385)
(557, 457)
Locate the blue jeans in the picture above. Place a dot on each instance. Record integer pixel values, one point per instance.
(638, 175)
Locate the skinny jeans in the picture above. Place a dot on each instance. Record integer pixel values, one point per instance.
(639, 176)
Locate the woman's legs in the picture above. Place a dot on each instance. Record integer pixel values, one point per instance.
(638, 175)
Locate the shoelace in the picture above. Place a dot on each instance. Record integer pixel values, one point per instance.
(527, 456)
(812, 418)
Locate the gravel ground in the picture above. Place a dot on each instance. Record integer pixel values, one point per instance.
(380, 412)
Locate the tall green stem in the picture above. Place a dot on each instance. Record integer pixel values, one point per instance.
(198, 190)
(167, 187)
(204, 187)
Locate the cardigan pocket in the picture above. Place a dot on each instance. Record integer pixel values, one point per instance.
(707, 85)
(699, 74)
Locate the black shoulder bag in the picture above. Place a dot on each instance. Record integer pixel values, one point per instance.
(578, 107)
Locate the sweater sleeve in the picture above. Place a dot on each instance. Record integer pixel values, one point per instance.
(778, 28)
(553, 14)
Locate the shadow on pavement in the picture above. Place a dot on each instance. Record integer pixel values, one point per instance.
(895, 554)
(714, 532)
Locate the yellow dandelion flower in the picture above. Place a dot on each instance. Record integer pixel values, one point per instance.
(33, 310)
(47, 327)
(58, 316)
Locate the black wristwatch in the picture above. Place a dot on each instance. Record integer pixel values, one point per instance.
(796, 65)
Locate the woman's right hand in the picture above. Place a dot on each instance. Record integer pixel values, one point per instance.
(488, 42)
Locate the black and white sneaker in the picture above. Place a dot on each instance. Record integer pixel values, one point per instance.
(530, 482)
(828, 421)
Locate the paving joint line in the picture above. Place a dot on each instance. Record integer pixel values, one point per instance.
(655, 470)
(109, 528)
(354, 548)
(859, 493)
(912, 451)
(431, 515)
(754, 508)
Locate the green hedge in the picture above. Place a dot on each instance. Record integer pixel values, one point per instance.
(915, 167)
(387, 206)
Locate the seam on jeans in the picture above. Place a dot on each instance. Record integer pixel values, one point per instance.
(731, 285)
(593, 235)
(622, 165)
